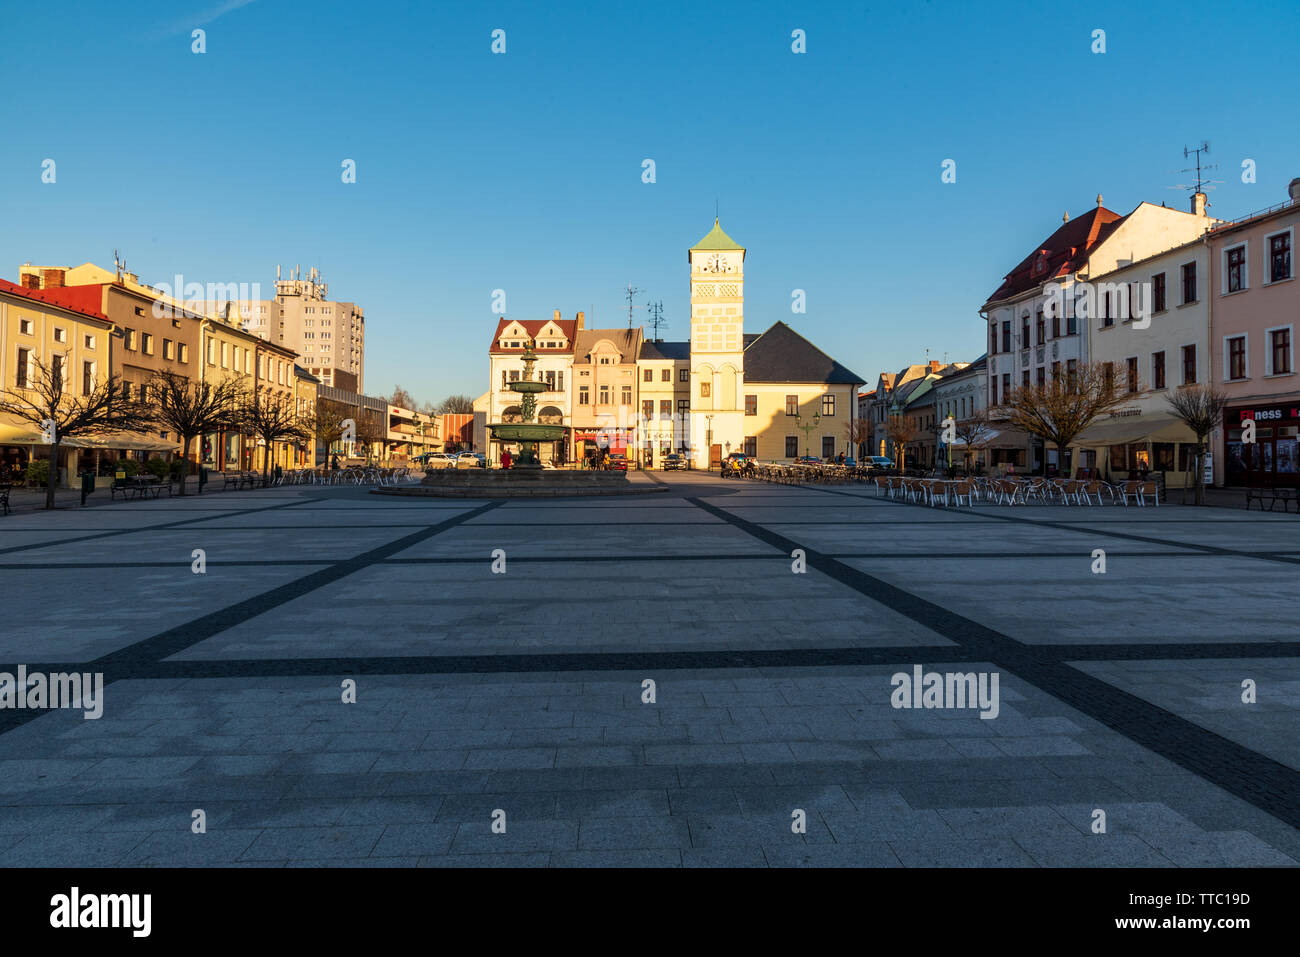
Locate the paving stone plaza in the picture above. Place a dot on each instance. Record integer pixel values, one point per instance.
(770, 620)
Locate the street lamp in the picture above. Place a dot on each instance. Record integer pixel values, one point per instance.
(807, 429)
(708, 441)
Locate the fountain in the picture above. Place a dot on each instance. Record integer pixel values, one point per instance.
(525, 477)
(527, 433)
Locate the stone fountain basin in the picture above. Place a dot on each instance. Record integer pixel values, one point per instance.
(526, 432)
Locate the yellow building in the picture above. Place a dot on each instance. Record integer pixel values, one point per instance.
(48, 327)
(797, 400)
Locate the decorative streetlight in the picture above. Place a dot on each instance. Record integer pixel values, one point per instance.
(807, 429)
(708, 441)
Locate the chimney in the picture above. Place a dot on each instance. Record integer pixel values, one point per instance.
(934, 365)
(1198, 204)
(30, 280)
(53, 278)
(581, 317)
(1294, 190)
(556, 316)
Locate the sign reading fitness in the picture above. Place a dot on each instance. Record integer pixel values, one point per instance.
(1274, 455)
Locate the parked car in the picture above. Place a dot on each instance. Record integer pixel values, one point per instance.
(809, 459)
(618, 462)
(879, 461)
(471, 460)
(674, 460)
(440, 460)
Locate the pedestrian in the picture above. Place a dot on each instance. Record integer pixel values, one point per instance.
(506, 458)
(335, 463)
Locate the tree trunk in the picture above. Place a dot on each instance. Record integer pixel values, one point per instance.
(185, 462)
(52, 479)
(1200, 472)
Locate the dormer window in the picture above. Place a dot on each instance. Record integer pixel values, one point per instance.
(1040, 262)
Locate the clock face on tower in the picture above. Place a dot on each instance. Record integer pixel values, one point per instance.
(715, 263)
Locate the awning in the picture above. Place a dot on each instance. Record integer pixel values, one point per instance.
(1136, 428)
(27, 435)
(989, 437)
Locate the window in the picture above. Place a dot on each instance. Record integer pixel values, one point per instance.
(792, 446)
(1024, 331)
(1132, 372)
(665, 408)
(1040, 329)
(647, 375)
(87, 378)
(683, 406)
(666, 375)
(625, 395)
(1107, 319)
(1108, 370)
(126, 390)
(791, 405)
(146, 343)
(169, 349)
(1006, 386)
(1006, 335)
(1056, 371)
(1157, 370)
(1279, 349)
(706, 389)
(1236, 354)
(828, 405)
(648, 408)
(993, 392)
(1041, 376)
(22, 370)
(225, 355)
(751, 405)
(212, 352)
(584, 396)
(1056, 325)
(1024, 379)
(89, 342)
(1189, 365)
(60, 334)
(1235, 260)
(685, 376)
(1279, 257)
(56, 371)
(604, 395)
(25, 326)
(1158, 292)
(993, 338)
(139, 311)
(1189, 283)
(1071, 370)
(128, 338)
(828, 446)
(751, 446)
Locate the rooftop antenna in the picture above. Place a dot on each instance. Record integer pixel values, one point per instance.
(632, 291)
(118, 265)
(656, 312)
(1202, 184)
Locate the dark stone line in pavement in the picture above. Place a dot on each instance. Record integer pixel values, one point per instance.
(112, 533)
(129, 661)
(1248, 775)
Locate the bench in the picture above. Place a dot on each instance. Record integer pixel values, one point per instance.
(1274, 495)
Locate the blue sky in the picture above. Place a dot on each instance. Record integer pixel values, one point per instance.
(522, 171)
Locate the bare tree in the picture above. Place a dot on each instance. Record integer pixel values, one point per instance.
(401, 398)
(47, 403)
(326, 423)
(858, 433)
(272, 417)
(1062, 408)
(901, 429)
(1201, 409)
(458, 405)
(975, 431)
(192, 409)
(369, 432)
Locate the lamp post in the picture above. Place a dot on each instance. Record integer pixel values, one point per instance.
(708, 442)
(807, 429)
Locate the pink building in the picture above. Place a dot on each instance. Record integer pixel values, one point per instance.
(1254, 308)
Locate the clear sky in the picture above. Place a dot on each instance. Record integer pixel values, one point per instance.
(522, 171)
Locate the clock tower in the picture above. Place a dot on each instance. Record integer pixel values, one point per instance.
(717, 346)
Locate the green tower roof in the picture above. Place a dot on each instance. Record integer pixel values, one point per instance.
(717, 239)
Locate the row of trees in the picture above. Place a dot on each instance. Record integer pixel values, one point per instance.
(1064, 406)
(174, 402)
(453, 404)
